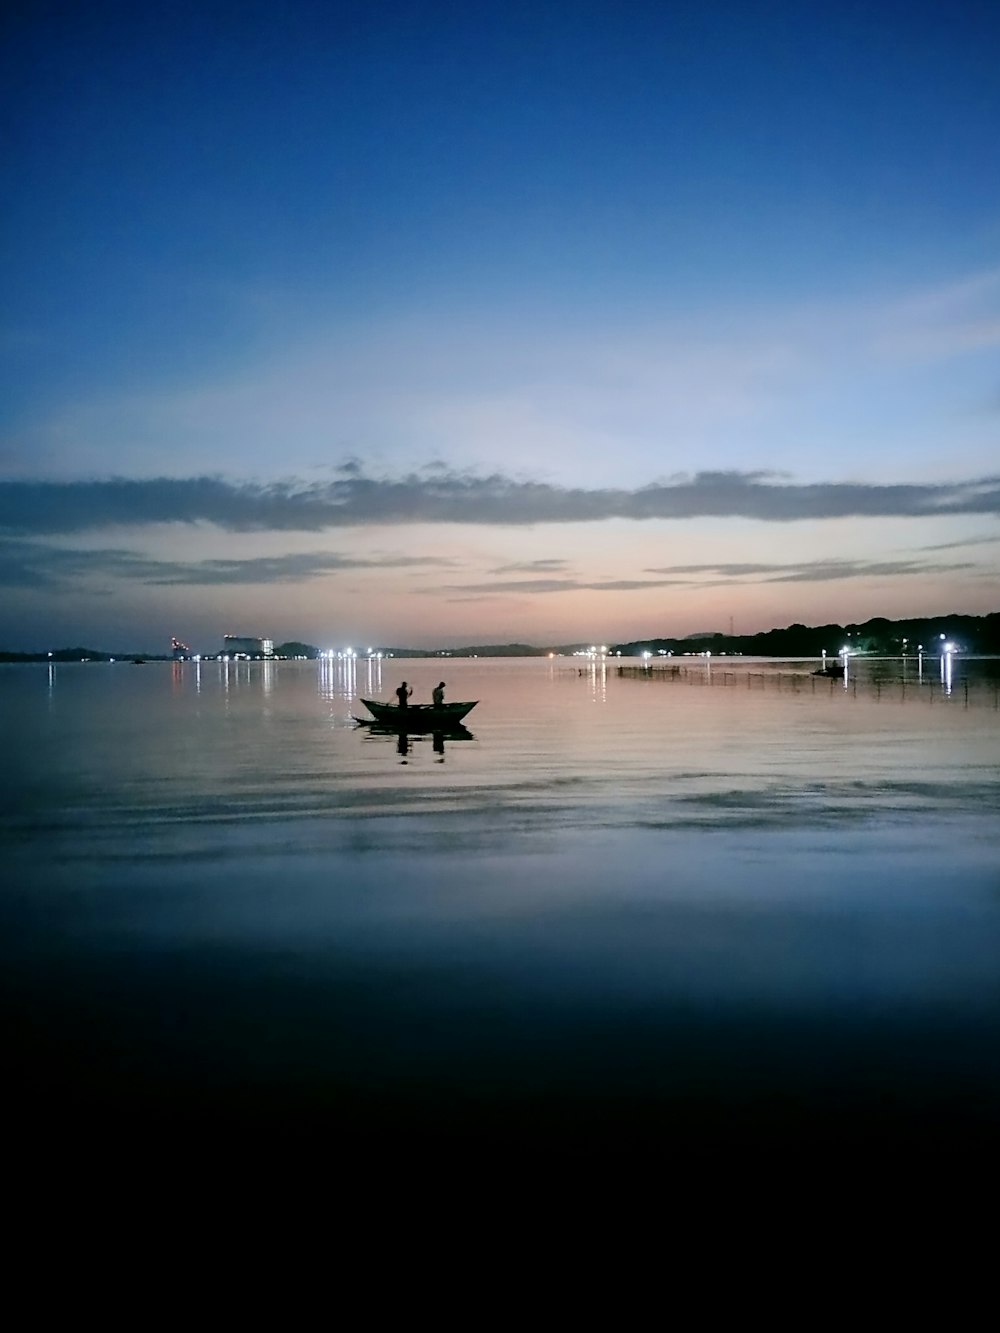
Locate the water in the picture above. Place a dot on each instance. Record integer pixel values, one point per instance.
(735, 908)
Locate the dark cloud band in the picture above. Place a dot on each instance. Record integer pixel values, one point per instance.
(30, 564)
(355, 500)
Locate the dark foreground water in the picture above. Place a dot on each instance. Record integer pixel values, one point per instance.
(653, 919)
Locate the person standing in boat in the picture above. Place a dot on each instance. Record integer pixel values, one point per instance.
(403, 694)
(437, 694)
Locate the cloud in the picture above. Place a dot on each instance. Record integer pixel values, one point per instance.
(28, 564)
(562, 585)
(279, 568)
(813, 571)
(531, 567)
(968, 541)
(941, 322)
(356, 499)
(686, 576)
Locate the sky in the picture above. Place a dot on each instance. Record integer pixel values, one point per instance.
(429, 324)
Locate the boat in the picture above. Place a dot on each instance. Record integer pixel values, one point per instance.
(418, 717)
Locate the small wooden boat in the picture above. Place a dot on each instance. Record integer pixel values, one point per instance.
(419, 717)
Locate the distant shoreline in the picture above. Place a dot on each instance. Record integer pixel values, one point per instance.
(875, 637)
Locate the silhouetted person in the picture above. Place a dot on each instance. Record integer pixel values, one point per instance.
(437, 694)
(403, 694)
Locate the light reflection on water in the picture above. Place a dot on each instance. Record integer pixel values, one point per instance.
(564, 745)
(202, 741)
(742, 834)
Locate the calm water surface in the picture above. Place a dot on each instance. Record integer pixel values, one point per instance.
(740, 902)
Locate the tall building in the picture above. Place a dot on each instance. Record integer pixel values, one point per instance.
(235, 645)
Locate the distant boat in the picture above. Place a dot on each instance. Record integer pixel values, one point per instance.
(138, 661)
(418, 717)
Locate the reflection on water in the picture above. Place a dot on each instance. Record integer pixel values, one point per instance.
(406, 741)
(192, 741)
(727, 882)
(597, 673)
(338, 676)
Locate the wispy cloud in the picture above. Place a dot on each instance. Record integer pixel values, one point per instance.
(840, 376)
(959, 545)
(26, 563)
(813, 571)
(279, 568)
(717, 575)
(942, 322)
(531, 567)
(30, 564)
(560, 585)
(356, 499)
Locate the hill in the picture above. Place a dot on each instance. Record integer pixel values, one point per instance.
(878, 637)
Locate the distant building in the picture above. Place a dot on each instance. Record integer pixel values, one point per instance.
(234, 645)
(179, 651)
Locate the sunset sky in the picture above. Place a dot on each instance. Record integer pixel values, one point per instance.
(445, 323)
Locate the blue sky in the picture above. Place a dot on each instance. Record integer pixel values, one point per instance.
(441, 323)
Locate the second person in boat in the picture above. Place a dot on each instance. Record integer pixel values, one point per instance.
(403, 694)
(437, 694)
